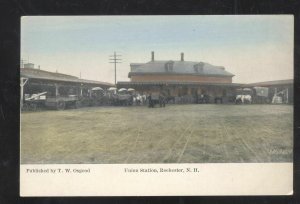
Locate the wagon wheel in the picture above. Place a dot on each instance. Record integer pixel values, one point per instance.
(60, 105)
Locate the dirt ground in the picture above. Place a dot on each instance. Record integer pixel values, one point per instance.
(175, 134)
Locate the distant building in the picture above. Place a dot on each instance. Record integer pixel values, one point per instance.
(29, 65)
(284, 88)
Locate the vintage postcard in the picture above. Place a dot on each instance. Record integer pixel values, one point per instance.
(156, 105)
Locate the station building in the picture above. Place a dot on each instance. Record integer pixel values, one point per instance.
(185, 80)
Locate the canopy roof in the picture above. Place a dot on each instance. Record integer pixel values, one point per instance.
(271, 83)
(52, 76)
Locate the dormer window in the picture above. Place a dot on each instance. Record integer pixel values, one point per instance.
(169, 66)
(199, 67)
(196, 68)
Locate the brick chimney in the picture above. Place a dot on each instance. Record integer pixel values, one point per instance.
(182, 57)
(152, 56)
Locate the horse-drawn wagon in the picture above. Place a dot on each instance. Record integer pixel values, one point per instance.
(122, 97)
(61, 102)
(98, 97)
(252, 95)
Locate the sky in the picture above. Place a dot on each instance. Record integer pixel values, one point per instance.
(253, 48)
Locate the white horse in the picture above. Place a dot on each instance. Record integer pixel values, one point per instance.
(141, 99)
(138, 99)
(243, 99)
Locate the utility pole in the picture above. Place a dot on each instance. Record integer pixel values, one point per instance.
(114, 59)
(22, 63)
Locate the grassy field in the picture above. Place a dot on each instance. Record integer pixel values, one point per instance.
(175, 134)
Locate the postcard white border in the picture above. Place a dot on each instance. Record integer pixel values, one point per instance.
(112, 180)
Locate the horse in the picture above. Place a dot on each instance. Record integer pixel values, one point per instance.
(243, 99)
(137, 99)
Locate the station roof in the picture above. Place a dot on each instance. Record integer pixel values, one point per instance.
(179, 67)
(271, 83)
(52, 76)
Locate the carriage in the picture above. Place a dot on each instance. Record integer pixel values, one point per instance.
(98, 97)
(261, 95)
(95, 97)
(124, 99)
(61, 102)
(120, 98)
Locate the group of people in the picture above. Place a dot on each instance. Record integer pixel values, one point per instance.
(150, 99)
(156, 98)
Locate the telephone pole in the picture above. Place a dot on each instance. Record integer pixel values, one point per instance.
(22, 63)
(115, 59)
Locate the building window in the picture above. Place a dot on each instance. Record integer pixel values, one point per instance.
(199, 67)
(169, 66)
